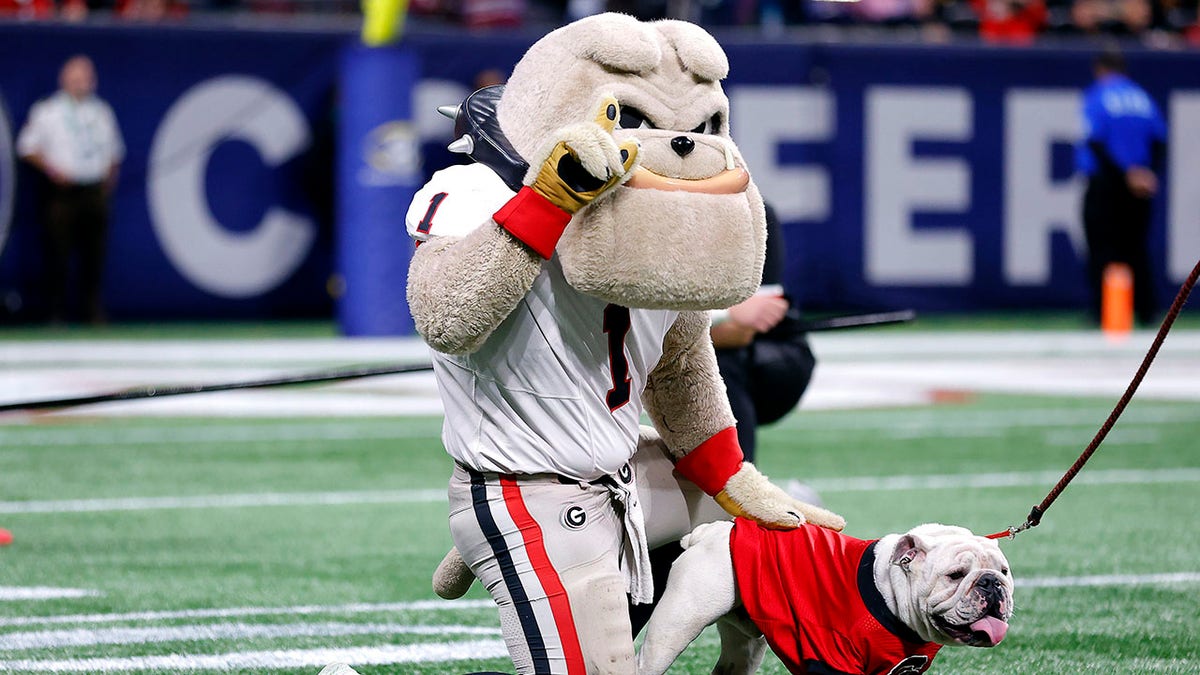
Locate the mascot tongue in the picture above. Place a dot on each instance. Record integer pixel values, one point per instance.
(995, 629)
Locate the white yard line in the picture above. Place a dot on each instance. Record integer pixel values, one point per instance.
(896, 424)
(232, 612)
(849, 484)
(23, 437)
(939, 421)
(263, 660)
(393, 654)
(82, 637)
(997, 480)
(225, 501)
(1112, 580)
(1124, 436)
(21, 593)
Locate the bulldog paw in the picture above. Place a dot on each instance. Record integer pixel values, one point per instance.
(749, 494)
(585, 161)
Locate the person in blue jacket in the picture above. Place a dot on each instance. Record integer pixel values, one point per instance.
(1121, 154)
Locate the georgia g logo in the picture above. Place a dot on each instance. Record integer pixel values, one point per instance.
(913, 665)
(574, 518)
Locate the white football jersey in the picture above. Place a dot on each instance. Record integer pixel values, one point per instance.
(557, 387)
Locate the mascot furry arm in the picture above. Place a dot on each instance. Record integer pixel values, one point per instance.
(492, 268)
(488, 269)
(686, 401)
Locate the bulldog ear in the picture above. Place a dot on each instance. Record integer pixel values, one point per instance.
(699, 52)
(615, 41)
(909, 549)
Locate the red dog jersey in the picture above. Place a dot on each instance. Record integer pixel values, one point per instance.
(811, 591)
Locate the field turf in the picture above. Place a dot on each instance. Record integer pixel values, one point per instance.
(199, 544)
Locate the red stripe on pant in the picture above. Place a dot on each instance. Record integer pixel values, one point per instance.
(535, 548)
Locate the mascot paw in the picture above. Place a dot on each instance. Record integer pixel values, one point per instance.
(585, 161)
(749, 494)
(452, 578)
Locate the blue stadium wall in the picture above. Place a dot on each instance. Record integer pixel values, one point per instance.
(938, 178)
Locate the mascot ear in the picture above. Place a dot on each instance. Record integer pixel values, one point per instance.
(698, 51)
(617, 41)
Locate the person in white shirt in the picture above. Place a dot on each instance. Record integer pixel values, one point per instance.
(72, 138)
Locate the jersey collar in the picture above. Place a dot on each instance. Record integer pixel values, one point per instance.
(873, 599)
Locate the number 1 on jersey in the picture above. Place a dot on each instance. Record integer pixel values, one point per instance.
(427, 220)
(616, 324)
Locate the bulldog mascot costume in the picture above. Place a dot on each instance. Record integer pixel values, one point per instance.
(563, 282)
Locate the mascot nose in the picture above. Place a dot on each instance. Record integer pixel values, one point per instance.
(682, 145)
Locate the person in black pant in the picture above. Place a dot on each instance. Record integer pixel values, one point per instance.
(763, 356)
(72, 138)
(1123, 146)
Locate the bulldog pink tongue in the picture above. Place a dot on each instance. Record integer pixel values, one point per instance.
(994, 628)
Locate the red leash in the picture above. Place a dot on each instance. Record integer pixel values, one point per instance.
(1035, 515)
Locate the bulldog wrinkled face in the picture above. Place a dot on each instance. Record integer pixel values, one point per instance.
(685, 158)
(687, 230)
(961, 585)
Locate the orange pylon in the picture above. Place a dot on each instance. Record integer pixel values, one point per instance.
(1116, 303)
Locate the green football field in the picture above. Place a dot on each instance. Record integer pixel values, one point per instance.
(199, 544)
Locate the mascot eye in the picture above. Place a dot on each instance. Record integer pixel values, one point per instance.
(956, 575)
(712, 126)
(632, 118)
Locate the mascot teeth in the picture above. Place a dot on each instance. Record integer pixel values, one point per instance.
(728, 182)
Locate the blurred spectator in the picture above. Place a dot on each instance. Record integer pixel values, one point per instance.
(488, 77)
(73, 10)
(1156, 23)
(1124, 144)
(73, 139)
(1010, 21)
(27, 9)
(1087, 17)
(150, 10)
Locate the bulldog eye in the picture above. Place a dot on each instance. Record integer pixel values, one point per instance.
(1004, 571)
(632, 118)
(956, 575)
(711, 126)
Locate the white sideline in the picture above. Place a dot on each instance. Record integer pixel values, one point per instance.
(1112, 580)
(832, 485)
(290, 658)
(230, 612)
(18, 593)
(82, 637)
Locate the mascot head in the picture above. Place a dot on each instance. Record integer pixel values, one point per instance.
(687, 230)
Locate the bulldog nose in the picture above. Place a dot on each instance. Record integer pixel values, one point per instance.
(682, 145)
